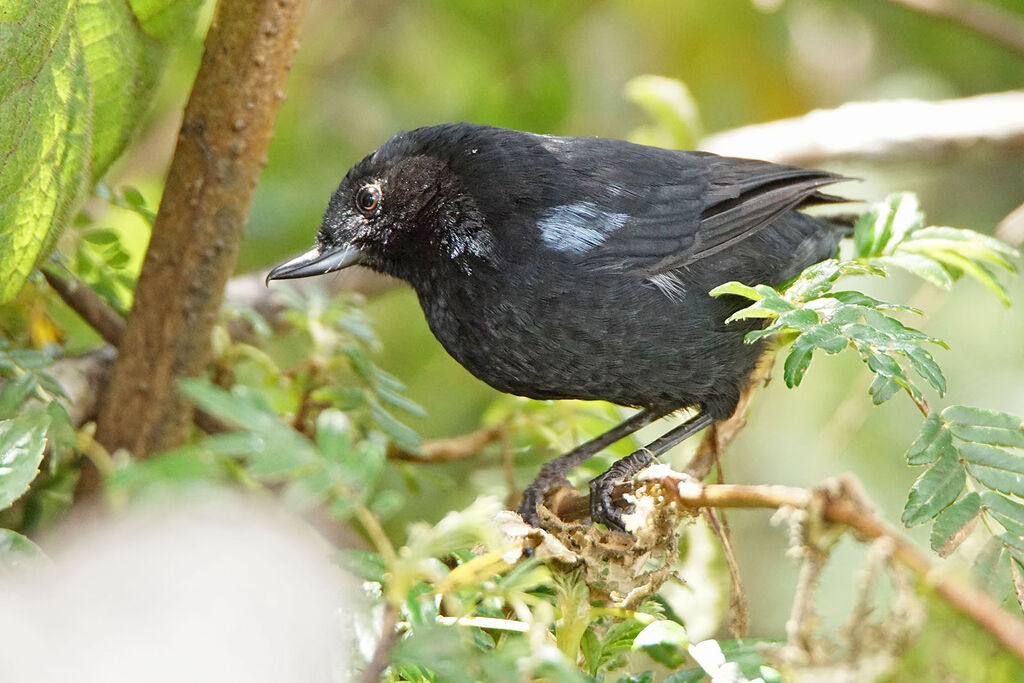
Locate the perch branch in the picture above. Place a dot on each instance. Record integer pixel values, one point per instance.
(983, 18)
(888, 130)
(220, 152)
(848, 508)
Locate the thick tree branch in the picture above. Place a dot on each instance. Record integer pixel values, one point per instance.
(221, 149)
(882, 131)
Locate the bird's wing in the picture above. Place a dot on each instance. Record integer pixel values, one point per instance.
(696, 205)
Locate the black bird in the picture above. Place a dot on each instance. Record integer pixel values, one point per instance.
(579, 268)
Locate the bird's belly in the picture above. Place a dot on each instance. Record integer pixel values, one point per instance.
(631, 346)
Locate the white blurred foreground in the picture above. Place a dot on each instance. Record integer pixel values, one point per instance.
(202, 590)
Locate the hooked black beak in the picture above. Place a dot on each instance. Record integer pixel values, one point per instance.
(315, 262)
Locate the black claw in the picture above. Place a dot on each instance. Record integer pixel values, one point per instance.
(602, 509)
(535, 493)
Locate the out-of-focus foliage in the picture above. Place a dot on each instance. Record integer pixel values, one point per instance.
(75, 81)
(314, 404)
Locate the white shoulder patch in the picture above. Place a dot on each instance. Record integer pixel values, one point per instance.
(578, 228)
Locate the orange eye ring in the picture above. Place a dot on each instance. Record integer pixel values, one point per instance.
(368, 198)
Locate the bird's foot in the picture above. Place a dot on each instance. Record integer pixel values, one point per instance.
(535, 494)
(602, 508)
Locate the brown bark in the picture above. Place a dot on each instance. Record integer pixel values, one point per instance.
(220, 152)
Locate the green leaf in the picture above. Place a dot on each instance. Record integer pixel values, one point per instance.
(924, 267)
(976, 270)
(664, 641)
(932, 443)
(985, 426)
(934, 490)
(45, 133)
(883, 388)
(72, 91)
(953, 524)
(16, 550)
(994, 467)
(14, 394)
(1008, 512)
(22, 440)
(738, 289)
(797, 361)
(366, 565)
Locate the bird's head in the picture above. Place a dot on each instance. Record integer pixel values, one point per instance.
(405, 210)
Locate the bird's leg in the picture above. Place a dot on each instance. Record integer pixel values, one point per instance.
(552, 474)
(601, 508)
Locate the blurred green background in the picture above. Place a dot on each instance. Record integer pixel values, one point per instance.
(367, 70)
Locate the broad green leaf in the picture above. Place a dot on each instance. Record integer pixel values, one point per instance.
(934, 490)
(933, 442)
(927, 368)
(72, 90)
(996, 468)
(22, 440)
(954, 523)
(45, 133)
(859, 299)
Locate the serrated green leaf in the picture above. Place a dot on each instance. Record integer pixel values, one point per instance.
(933, 442)
(72, 90)
(22, 440)
(45, 135)
(934, 490)
(996, 468)
(953, 524)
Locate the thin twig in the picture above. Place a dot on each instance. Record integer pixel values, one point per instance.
(450, 449)
(985, 19)
(81, 298)
(738, 596)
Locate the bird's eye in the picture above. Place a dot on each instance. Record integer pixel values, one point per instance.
(368, 198)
